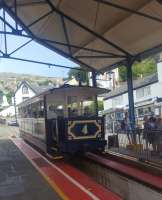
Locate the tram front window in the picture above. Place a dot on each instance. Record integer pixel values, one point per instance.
(81, 106)
(88, 106)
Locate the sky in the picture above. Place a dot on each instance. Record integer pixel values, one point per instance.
(32, 51)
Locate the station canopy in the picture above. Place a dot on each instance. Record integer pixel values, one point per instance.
(97, 34)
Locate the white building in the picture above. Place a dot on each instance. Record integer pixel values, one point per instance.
(108, 80)
(23, 92)
(10, 111)
(147, 95)
(3, 101)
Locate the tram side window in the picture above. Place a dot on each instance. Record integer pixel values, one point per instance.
(37, 109)
(41, 109)
(72, 106)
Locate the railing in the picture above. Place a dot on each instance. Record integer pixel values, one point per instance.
(144, 145)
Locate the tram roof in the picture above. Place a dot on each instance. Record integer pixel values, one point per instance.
(86, 91)
(97, 34)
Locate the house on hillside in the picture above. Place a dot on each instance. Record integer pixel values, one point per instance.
(23, 92)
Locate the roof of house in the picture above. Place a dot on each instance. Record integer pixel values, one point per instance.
(42, 88)
(35, 88)
(123, 88)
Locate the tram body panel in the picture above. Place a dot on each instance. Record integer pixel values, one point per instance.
(58, 121)
(80, 134)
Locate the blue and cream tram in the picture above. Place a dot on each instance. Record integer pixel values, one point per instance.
(63, 119)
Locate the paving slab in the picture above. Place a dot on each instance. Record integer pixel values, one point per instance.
(19, 180)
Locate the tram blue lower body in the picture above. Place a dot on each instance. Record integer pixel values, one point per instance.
(82, 146)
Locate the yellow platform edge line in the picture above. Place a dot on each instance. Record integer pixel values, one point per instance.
(49, 181)
(53, 185)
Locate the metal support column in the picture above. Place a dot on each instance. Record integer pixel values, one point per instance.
(94, 83)
(130, 94)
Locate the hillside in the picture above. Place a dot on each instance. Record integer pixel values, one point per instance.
(10, 81)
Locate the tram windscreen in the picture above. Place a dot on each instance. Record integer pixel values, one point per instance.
(81, 106)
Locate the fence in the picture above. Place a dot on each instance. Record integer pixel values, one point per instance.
(144, 145)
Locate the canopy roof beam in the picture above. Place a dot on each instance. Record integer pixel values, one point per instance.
(99, 56)
(40, 18)
(66, 33)
(102, 53)
(15, 8)
(39, 40)
(87, 29)
(84, 48)
(29, 4)
(39, 62)
(20, 47)
(5, 22)
(129, 10)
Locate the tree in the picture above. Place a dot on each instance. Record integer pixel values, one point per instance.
(79, 75)
(1, 93)
(140, 69)
(100, 105)
(44, 82)
(9, 96)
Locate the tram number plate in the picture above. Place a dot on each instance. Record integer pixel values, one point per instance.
(80, 129)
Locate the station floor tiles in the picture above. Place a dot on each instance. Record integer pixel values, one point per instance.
(19, 180)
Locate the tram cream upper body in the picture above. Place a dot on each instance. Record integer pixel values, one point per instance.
(62, 100)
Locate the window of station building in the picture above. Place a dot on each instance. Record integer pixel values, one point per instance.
(140, 111)
(25, 90)
(119, 115)
(143, 92)
(117, 100)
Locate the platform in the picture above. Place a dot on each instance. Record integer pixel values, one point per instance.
(26, 174)
(19, 180)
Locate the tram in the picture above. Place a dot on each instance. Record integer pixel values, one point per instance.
(63, 120)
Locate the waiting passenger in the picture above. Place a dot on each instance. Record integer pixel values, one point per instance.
(158, 132)
(152, 132)
(126, 121)
(86, 111)
(146, 130)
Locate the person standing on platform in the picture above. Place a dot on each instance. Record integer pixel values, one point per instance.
(146, 130)
(128, 127)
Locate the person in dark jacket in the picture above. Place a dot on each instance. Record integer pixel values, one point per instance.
(146, 130)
